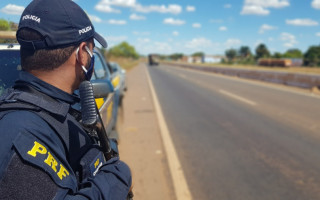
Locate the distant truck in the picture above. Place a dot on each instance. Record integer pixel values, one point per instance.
(152, 59)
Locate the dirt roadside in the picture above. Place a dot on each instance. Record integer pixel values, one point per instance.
(140, 143)
(287, 77)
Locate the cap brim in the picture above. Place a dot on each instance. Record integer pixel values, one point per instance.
(100, 39)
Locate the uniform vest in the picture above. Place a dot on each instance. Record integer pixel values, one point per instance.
(83, 157)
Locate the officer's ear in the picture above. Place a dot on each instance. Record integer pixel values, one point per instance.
(81, 54)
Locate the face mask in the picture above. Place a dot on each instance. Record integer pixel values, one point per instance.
(88, 72)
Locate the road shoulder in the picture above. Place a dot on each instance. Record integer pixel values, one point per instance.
(140, 141)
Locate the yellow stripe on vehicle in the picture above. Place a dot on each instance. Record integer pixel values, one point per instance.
(99, 102)
(115, 82)
(109, 112)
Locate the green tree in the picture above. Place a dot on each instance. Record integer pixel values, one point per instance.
(293, 53)
(262, 51)
(198, 54)
(4, 25)
(123, 49)
(312, 56)
(231, 54)
(176, 56)
(245, 52)
(277, 55)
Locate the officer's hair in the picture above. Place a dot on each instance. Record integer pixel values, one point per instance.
(42, 59)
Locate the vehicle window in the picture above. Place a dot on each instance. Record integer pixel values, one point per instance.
(9, 68)
(110, 67)
(99, 68)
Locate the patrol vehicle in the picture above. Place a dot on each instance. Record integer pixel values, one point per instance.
(118, 73)
(108, 105)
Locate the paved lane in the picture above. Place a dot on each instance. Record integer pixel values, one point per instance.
(241, 140)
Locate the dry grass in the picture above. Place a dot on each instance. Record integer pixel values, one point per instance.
(125, 63)
(304, 70)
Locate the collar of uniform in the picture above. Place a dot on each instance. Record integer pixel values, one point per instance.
(47, 89)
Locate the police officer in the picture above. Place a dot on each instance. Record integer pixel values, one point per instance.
(44, 151)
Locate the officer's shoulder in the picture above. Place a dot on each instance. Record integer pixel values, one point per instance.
(21, 118)
(37, 145)
(14, 122)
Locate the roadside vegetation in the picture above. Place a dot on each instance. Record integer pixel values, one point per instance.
(124, 54)
(245, 58)
(7, 26)
(243, 55)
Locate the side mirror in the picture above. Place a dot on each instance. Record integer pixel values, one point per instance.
(114, 69)
(101, 88)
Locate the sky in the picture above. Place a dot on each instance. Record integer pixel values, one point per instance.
(189, 26)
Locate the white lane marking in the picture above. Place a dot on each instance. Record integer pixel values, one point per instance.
(179, 182)
(221, 91)
(238, 97)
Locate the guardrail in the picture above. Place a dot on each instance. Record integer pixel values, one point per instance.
(308, 81)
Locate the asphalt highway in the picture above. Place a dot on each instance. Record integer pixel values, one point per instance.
(238, 139)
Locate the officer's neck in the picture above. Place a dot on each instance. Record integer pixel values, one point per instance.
(61, 77)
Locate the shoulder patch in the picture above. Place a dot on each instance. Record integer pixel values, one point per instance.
(91, 162)
(35, 152)
(96, 163)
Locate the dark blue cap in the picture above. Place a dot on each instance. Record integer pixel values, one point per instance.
(62, 23)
